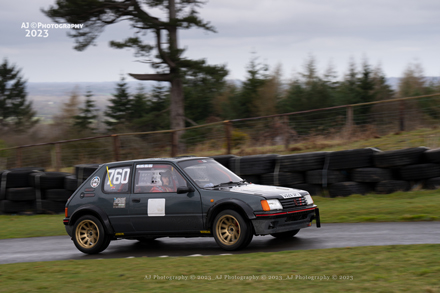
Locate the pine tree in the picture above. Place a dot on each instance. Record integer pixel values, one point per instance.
(155, 116)
(249, 91)
(87, 115)
(201, 86)
(382, 90)
(62, 122)
(16, 113)
(118, 112)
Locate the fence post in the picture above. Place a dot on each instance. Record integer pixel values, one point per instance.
(174, 143)
(349, 121)
(402, 116)
(57, 157)
(18, 154)
(287, 132)
(228, 130)
(116, 147)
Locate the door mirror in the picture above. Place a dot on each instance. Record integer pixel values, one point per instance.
(184, 189)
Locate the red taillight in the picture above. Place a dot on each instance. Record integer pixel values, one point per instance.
(65, 212)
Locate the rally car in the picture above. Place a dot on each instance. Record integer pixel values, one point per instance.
(181, 197)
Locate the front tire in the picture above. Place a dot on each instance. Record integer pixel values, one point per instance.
(285, 235)
(231, 230)
(89, 235)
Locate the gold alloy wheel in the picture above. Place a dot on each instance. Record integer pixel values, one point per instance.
(228, 230)
(87, 234)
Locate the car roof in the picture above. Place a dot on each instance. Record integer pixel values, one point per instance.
(174, 160)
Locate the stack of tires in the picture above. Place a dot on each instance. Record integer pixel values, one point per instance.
(17, 195)
(253, 168)
(342, 173)
(31, 190)
(51, 195)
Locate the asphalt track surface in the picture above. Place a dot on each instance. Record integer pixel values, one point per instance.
(329, 236)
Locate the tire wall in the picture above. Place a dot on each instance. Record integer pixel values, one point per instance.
(32, 190)
(340, 173)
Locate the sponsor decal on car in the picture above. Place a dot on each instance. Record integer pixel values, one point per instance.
(119, 203)
(95, 182)
(290, 195)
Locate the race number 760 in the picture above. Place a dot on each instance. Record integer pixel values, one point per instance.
(118, 176)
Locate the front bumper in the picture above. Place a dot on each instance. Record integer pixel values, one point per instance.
(285, 221)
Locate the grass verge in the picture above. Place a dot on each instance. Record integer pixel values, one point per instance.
(413, 268)
(397, 207)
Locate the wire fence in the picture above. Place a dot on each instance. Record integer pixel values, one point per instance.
(226, 137)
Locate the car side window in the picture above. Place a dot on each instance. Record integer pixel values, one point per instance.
(117, 179)
(157, 178)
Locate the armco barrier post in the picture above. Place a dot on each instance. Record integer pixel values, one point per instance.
(19, 157)
(116, 147)
(57, 157)
(228, 130)
(402, 116)
(174, 143)
(349, 121)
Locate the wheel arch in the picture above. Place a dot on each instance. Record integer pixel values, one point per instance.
(94, 211)
(228, 204)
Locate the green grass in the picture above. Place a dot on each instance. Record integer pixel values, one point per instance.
(429, 137)
(420, 205)
(412, 268)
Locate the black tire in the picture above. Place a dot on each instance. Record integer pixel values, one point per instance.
(330, 176)
(420, 171)
(432, 156)
(302, 162)
(391, 186)
(231, 231)
(348, 188)
(433, 183)
(19, 177)
(370, 175)
(253, 165)
(285, 235)
(282, 179)
(89, 235)
(224, 160)
(351, 159)
(48, 180)
(71, 183)
(20, 194)
(12, 207)
(59, 195)
(313, 189)
(52, 207)
(397, 158)
(84, 171)
(255, 179)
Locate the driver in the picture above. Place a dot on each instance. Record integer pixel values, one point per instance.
(167, 183)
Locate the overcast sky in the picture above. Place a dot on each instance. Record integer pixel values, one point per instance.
(392, 33)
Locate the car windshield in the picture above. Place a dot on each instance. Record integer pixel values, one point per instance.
(208, 173)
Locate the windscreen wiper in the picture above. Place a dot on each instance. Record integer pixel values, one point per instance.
(229, 183)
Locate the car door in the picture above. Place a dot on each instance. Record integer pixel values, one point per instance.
(156, 206)
(115, 195)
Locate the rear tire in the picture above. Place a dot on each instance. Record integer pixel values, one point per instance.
(285, 235)
(89, 235)
(231, 231)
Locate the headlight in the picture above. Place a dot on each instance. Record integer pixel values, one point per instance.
(271, 204)
(308, 198)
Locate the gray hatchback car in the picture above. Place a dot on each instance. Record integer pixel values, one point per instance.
(181, 197)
